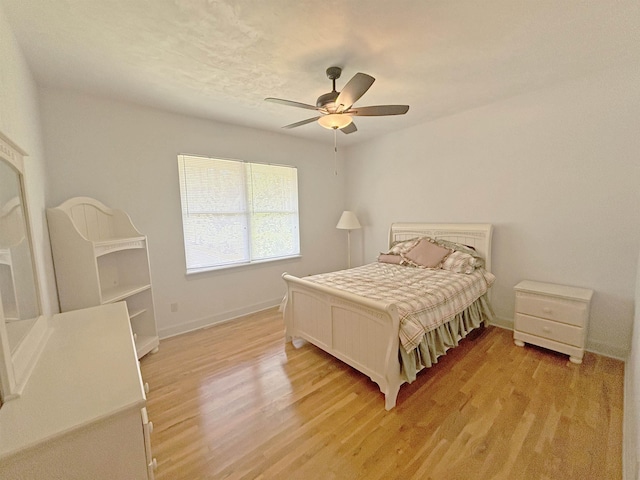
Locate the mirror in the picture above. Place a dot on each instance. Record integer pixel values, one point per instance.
(17, 282)
(19, 299)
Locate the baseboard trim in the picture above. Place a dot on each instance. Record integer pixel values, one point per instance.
(215, 319)
(607, 350)
(503, 322)
(598, 348)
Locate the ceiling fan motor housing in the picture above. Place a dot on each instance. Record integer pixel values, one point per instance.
(327, 100)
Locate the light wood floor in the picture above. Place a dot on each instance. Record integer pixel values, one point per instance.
(235, 402)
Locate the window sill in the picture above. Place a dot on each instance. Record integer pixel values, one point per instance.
(196, 271)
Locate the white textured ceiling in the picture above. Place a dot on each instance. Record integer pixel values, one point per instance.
(219, 59)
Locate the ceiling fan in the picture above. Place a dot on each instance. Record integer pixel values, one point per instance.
(336, 108)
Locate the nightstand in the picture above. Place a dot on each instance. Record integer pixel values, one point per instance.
(552, 316)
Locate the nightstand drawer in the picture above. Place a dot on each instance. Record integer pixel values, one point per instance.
(559, 332)
(559, 310)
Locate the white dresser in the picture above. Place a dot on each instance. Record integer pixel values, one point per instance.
(552, 316)
(82, 412)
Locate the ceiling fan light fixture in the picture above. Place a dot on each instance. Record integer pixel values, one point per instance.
(335, 120)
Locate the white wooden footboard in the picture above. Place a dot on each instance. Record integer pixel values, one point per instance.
(362, 333)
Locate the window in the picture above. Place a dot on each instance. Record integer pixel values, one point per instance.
(237, 213)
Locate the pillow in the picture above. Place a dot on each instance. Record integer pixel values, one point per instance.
(426, 254)
(459, 262)
(386, 258)
(479, 261)
(403, 246)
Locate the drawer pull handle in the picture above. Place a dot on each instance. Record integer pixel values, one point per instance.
(546, 330)
(546, 310)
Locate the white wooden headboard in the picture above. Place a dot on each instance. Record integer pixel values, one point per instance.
(476, 235)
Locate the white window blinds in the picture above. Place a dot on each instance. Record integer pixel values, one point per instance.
(236, 213)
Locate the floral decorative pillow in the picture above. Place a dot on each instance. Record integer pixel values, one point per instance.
(426, 254)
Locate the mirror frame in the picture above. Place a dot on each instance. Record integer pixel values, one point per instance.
(15, 368)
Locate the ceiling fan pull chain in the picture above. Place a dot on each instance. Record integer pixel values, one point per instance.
(335, 150)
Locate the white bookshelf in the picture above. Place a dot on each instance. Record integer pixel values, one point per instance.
(101, 258)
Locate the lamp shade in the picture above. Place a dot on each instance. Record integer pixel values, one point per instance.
(335, 120)
(348, 221)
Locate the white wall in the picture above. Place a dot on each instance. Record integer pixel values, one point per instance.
(20, 121)
(556, 171)
(126, 156)
(631, 435)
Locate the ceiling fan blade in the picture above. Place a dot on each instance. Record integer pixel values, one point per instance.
(349, 128)
(303, 122)
(379, 110)
(353, 90)
(291, 103)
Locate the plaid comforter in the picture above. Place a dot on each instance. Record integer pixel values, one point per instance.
(425, 298)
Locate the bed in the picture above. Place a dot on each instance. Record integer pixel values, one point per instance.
(365, 331)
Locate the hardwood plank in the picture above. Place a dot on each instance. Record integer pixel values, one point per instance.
(233, 401)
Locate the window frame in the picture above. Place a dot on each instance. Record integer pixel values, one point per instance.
(248, 212)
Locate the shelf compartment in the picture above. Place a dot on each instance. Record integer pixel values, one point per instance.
(122, 274)
(133, 314)
(145, 344)
(122, 292)
(140, 307)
